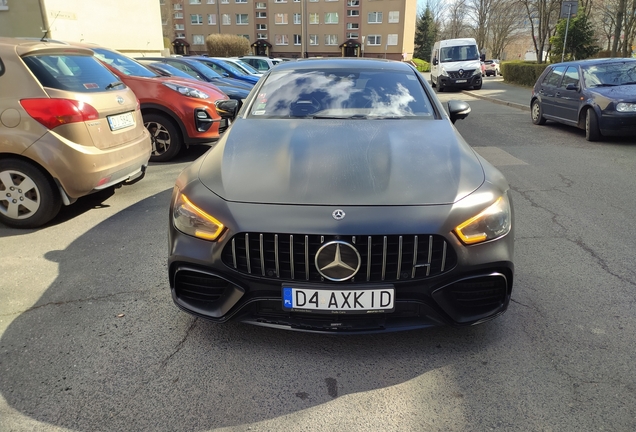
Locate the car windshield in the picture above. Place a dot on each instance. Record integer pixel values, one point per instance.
(459, 53)
(169, 69)
(341, 93)
(75, 73)
(246, 67)
(610, 74)
(124, 64)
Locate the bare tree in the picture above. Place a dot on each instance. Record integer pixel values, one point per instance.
(479, 11)
(456, 24)
(503, 25)
(543, 16)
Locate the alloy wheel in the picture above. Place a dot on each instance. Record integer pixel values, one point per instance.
(20, 197)
(160, 138)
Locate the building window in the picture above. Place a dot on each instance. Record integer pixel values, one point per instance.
(353, 13)
(195, 2)
(297, 39)
(353, 26)
(227, 20)
(313, 1)
(281, 40)
(261, 5)
(179, 27)
(211, 1)
(313, 39)
(280, 1)
(297, 18)
(198, 39)
(392, 39)
(196, 19)
(241, 1)
(280, 18)
(178, 15)
(331, 39)
(177, 6)
(261, 26)
(352, 35)
(180, 35)
(245, 36)
(394, 17)
(314, 18)
(374, 40)
(261, 36)
(353, 3)
(225, 1)
(331, 17)
(211, 19)
(261, 14)
(241, 19)
(375, 18)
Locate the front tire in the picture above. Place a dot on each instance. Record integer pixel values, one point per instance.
(433, 82)
(537, 113)
(166, 139)
(28, 198)
(592, 131)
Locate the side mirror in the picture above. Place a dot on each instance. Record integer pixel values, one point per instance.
(435, 62)
(458, 110)
(572, 87)
(227, 108)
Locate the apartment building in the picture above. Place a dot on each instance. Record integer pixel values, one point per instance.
(297, 28)
(131, 27)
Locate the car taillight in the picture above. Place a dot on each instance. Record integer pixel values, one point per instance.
(55, 112)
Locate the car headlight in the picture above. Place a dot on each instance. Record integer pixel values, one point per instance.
(191, 220)
(490, 224)
(187, 91)
(443, 71)
(626, 107)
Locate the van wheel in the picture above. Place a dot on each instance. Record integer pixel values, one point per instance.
(433, 83)
(166, 139)
(28, 198)
(592, 132)
(478, 87)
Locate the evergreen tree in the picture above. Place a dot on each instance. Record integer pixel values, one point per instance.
(581, 40)
(425, 35)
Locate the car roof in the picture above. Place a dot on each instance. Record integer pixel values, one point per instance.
(31, 45)
(590, 62)
(348, 62)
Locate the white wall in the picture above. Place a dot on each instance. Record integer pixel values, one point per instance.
(130, 26)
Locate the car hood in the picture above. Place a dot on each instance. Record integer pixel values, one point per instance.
(621, 93)
(342, 162)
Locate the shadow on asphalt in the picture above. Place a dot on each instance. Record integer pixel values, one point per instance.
(105, 348)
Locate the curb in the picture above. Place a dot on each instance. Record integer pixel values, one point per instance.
(497, 101)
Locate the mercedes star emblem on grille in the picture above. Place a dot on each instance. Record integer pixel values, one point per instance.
(337, 261)
(338, 214)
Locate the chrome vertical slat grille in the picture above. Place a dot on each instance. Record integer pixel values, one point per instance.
(383, 258)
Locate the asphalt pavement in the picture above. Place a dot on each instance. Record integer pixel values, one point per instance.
(496, 90)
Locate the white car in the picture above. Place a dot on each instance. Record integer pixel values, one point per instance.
(242, 65)
(261, 63)
(492, 67)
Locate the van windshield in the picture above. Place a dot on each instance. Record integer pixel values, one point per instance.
(459, 53)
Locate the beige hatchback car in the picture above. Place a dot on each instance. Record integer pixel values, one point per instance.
(68, 128)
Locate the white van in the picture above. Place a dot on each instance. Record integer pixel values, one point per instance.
(456, 63)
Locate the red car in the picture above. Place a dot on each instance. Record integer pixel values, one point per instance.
(176, 112)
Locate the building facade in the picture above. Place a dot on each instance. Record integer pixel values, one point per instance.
(132, 27)
(296, 28)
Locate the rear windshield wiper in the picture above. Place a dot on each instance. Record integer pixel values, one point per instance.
(114, 84)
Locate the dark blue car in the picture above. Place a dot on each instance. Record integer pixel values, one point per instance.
(597, 95)
(226, 69)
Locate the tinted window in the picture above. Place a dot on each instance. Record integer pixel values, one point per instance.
(554, 77)
(571, 76)
(124, 64)
(70, 72)
(342, 94)
(1, 67)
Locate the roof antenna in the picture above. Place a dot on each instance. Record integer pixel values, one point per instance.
(49, 29)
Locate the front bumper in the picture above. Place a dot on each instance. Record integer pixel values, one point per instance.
(461, 82)
(618, 124)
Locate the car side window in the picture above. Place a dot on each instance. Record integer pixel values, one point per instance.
(554, 77)
(571, 77)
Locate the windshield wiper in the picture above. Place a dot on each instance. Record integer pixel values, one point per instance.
(114, 84)
(629, 83)
(605, 85)
(355, 116)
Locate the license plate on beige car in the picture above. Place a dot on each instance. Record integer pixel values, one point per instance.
(121, 121)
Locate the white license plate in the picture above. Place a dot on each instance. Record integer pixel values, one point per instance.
(461, 81)
(338, 301)
(121, 121)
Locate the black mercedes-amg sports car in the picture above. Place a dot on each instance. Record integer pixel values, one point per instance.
(342, 199)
